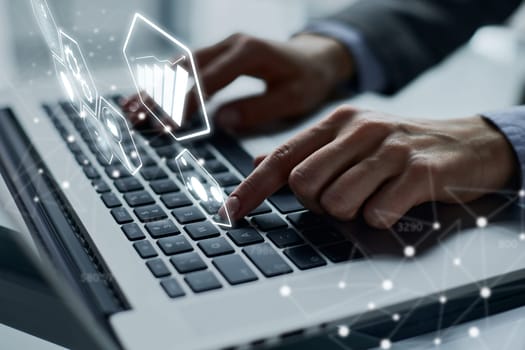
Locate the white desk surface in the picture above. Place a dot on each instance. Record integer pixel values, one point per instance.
(473, 80)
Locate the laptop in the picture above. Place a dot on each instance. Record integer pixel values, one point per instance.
(148, 264)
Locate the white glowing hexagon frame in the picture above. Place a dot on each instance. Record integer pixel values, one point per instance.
(83, 72)
(48, 26)
(206, 130)
(118, 149)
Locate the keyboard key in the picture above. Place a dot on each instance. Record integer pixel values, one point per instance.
(187, 215)
(172, 288)
(234, 269)
(229, 190)
(128, 184)
(245, 236)
(121, 215)
(261, 209)
(202, 281)
(306, 219)
(200, 230)
(202, 152)
(304, 257)
(101, 186)
(267, 260)
(285, 238)
(110, 200)
(82, 159)
(91, 172)
(153, 173)
(117, 171)
(285, 201)
(174, 245)
(342, 251)
(158, 268)
(150, 213)
(215, 246)
(188, 262)
(133, 232)
(267, 222)
(227, 179)
(145, 249)
(175, 200)
(321, 236)
(164, 186)
(162, 228)
(135, 199)
(214, 166)
(166, 151)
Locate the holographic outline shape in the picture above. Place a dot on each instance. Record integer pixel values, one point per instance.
(209, 178)
(189, 55)
(97, 133)
(83, 79)
(64, 79)
(41, 7)
(121, 154)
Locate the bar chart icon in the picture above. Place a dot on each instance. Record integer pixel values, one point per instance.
(166, 74)
(167, 85)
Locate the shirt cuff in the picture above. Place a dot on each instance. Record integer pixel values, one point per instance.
(370, 74)
(511, 122)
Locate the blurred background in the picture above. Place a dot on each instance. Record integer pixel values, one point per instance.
(100, 27)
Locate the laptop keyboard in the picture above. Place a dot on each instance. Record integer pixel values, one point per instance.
(174, 234)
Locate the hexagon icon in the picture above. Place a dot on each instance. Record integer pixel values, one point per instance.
(67, 83)
(165, 77)
(78, 70)
(119, 136)
(47, 26)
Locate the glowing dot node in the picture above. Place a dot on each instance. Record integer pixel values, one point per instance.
(343, 331)
(409, 251)
(71, 139)
(36, 199)
(142, 116)
(36, 120)
(473, 332)
(522, 236)
(341, 284)
(396, 317)
(387, 285)
(436, 225)
(385, 344)
(437, 341)
(485, 292)
(481, 222)
(371, 306)
(456, 261)
(285, 291)
(65, 185)
(521, 193)
(113, 87)
(115, 174)
(167, 128)
(443, 299)
(40, 171)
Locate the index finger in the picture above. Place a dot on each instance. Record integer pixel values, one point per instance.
(274, 170)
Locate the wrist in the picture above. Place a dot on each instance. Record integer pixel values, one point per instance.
(329, 54)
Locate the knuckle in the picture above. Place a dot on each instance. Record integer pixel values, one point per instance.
(342, 114)
(397, 148)
(281, 154)
(333, 203)
(299, 183)
(417, 168)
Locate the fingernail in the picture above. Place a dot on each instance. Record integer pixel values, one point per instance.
(232, 205)
(228, 118)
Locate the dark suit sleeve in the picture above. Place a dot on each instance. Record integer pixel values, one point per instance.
(409, 36)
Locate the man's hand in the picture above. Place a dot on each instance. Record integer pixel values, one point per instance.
(385, 165)
(299, 75)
